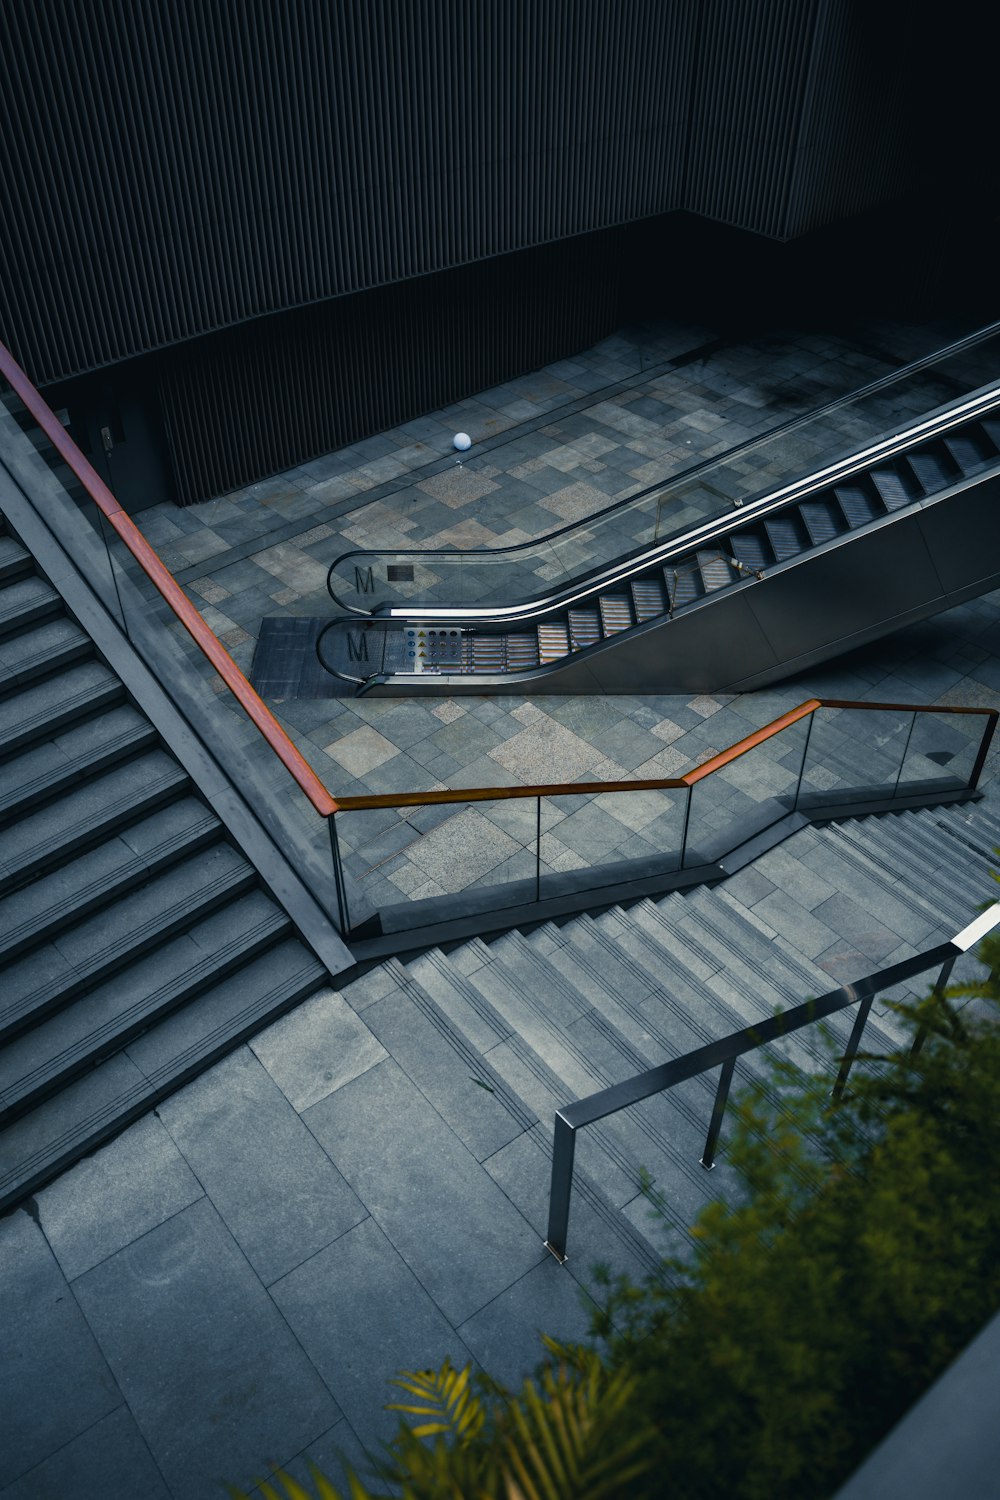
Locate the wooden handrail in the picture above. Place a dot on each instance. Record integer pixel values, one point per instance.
(690, 778)
(255, 709)
(167, 586)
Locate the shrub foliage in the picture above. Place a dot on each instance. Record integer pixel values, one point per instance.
(860, 1258)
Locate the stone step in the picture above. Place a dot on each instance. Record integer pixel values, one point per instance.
(45, 770)
(88, 815)
(66, 698)
(34, 913)
(96, 1105)
(919, 861)
(613, 1027)
(102, 1021)
(25, 602)
(15, 562)
(587, 1058)
(723, 924)
(39, 652)
(455, 1076)
(81, 956)
(614, 1153)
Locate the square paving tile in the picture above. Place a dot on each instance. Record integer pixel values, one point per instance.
(444, 1215)
(462, 850)
(361, 751)
(279, 1194)
(333, 1302)
(211, 1372)
(316, 1049)
(116, 1195)
(110, 1459)
(54, 1379)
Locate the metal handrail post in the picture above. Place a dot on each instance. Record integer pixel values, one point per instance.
(563, 1152)
(684, 830)
(984, 746)
(850, 1053)
(906, 751)
(936, 992)
(338, 877)
(805, 756)
(719, 1109)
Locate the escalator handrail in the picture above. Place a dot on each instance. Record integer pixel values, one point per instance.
(417, 554)
(895, 445)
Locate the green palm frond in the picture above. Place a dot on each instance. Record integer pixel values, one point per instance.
(447, 1400)
(292, 1490)
(570, 1435)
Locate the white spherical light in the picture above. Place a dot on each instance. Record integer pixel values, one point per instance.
(462, 441)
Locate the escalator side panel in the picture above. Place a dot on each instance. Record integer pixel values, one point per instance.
(963, 535)
(869, 579)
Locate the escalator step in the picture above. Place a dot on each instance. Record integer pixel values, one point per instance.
(553, 642)
(858, 504)
(934, 466)
(717, 571)
(751, 548)
(971, 448)
(787, 535)
(685, 583)
(584, 628)
(488, 653)
(821, 520)
(648, 598)
(615, 613)
(897, 484)
(522, 652)
(991, 427)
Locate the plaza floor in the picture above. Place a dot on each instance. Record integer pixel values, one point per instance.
(233, 1281)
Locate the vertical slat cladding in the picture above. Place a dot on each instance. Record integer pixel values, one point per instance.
(264, 396)
(749, 78)
(865, 115)
(166, 170)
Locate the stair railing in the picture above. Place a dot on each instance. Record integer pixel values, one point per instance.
(135, 614)
(687, 846)
(357, 580)
(724, 1054)
(746, 797)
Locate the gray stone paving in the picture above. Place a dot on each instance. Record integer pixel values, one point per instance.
(233, 1280)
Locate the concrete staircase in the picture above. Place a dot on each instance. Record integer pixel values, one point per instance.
(122, 901)
(532, 1020)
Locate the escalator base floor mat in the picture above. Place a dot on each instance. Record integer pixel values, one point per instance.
(285, 664)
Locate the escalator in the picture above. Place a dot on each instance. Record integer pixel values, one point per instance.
(905, 527)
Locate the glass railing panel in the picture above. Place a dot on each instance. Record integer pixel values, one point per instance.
(941, 753)
(368, 581)
(413, 866)
(717, 487)
(854, 755)
(594, 840)
(741, 799)
(72, 514)
(234, 740)
(162, 642)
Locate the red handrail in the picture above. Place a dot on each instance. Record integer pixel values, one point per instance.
(163, 580)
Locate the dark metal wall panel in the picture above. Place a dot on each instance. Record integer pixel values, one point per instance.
(271, 394)
(746, 108)
(166, 169)
(170, 167)
(864, 114)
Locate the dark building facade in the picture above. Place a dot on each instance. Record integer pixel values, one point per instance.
(238, 233)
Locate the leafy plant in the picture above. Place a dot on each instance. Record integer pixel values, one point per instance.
(567, 1435)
